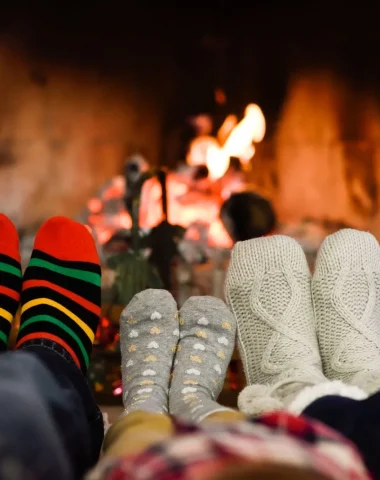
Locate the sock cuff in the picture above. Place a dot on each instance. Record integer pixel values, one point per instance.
(217, 409)
(255, 400)
(308, 395)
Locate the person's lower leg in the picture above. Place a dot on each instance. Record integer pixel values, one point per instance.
(207, 341)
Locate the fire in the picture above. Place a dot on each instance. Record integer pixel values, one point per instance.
(191, 204)
(217, 162)
(251, 129)
(198, 150)
(233, 140)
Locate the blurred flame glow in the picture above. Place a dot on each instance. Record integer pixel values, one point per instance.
(234, 140)
(250, 129)
(188, 203)
(217, 162)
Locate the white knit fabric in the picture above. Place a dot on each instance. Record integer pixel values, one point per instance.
(288, 386)
(292, 395)
(346, 294)
(310, 394)
(268, 290)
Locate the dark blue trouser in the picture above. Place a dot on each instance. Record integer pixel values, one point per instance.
(359, 421)
(50, 425)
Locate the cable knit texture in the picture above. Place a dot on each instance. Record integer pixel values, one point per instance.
(268, 290)
(346, 294)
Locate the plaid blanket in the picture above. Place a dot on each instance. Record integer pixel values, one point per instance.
(198, 451)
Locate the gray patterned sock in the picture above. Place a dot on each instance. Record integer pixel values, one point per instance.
(207, 340)
(148, 336)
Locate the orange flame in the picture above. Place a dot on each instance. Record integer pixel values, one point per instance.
(234, 140)
(250, 129)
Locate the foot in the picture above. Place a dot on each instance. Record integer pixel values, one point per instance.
(268, 290)
(346, 294)
(61, 290)
(10, 278)
(207, 340)
(149, 332)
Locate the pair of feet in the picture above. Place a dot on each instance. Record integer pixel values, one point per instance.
(59, 291)
(294, 331)
(175, 361)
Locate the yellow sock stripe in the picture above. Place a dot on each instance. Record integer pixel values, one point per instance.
(8, 316)
(58, 306)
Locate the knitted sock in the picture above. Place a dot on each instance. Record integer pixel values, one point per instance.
(346, 293)
(61, 290)
(148, 338)
(10, 278)
(268, 290)
(207, 330)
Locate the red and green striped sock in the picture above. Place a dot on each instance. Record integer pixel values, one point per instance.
(60, 300)
(10, 278)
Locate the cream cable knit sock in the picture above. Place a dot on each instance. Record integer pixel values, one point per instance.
(346, 294)
(268, 290)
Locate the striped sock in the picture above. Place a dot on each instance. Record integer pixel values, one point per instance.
(10, 278)
(61, 290)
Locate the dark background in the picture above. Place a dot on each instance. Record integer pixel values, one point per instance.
(184, 52)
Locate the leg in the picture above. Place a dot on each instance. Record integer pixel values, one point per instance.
(74, 385)
(346, 294)
(10, 278)
(137, 431)
(359, 421)
(227, 416)
(59, 316)
(207, 340)
(29, 400)
(268, 290)
(148, 337)
(153, 314)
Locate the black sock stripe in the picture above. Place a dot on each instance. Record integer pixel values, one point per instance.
(10, 281)
(8, 303)
(5, 326)
(10, 261)
(86, 266)
(84, 289)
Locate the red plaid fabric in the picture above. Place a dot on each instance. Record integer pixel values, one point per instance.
(197, 452)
